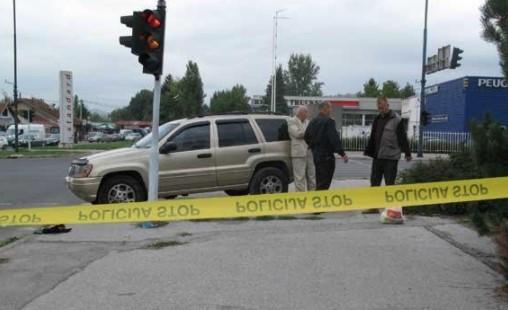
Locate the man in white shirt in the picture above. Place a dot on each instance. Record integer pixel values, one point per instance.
(304, 170)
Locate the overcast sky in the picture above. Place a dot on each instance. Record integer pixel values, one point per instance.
(231, 40)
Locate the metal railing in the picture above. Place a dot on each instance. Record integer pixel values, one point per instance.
(433, 142)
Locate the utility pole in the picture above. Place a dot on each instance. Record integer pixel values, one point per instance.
(153, 175)
(423, 81)
(16, 136)
(274, 65)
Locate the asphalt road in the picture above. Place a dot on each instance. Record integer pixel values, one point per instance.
(34, 182)
(29, 182)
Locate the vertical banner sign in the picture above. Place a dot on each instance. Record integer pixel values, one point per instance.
(66, 120)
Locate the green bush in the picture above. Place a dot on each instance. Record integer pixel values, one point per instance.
(487, 158)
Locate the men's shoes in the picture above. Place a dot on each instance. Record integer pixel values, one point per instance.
(370, 211)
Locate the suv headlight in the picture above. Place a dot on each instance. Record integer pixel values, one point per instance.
(80, 168)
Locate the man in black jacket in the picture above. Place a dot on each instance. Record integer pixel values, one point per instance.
(322, 138)
(388, 139)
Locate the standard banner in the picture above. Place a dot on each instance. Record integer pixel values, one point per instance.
(338, 200)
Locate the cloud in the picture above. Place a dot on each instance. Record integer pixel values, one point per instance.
(231, 40)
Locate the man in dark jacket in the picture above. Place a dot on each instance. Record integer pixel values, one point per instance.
(322, 138)
(388, 140)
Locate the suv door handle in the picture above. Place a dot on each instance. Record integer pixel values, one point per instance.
(255, 150)
(205, 155)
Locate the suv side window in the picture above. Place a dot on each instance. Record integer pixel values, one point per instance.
(193, 138)
(235, 132)
(274, 129)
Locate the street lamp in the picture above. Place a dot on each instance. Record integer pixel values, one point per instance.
(422, 91)
(15, 90)
(274, 68)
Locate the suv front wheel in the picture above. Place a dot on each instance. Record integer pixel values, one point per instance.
(269, 181)
(121, 189)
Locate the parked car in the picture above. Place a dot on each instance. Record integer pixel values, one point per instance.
(115, 137)
(133, 136)
(34, 141)
(125, 132)
(95, 137)
(239, 154)
(141, 131)
(53, 139)
(3, 142)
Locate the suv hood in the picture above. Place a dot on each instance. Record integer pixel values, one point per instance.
(118, 155)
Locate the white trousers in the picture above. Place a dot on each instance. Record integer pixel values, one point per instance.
(304, 172)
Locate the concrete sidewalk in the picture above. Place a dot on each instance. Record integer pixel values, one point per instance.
(327, 261)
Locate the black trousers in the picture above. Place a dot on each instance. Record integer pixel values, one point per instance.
(325, 168)
(386, 168)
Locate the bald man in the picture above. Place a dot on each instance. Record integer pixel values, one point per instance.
(301, 156)
(322, 137)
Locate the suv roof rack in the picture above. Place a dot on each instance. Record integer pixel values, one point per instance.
(241, 113)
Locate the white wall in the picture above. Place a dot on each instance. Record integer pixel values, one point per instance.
(411, 111)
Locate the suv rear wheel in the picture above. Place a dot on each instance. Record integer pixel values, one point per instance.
(121, 189)
(269, 181)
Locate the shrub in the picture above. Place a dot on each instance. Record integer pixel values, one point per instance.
(488, 157)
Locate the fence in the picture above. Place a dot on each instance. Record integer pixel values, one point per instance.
(433, 142)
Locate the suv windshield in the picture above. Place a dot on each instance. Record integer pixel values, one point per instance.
(164, 130)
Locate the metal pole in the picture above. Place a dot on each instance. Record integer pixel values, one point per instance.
(153, 175)
(153, 171)
(274, 65)
(16, 137)
(423, 81)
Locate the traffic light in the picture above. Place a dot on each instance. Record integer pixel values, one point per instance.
(147, 40)
(456, 58)
(425, 118)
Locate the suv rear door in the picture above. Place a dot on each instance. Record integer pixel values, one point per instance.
(192, 165)
(237, 149)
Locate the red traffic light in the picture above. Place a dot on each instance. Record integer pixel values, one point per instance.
(151, 19)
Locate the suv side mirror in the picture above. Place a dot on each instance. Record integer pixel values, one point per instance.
(168, 147)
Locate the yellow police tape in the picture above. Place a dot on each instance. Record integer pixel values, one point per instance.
(337, 200)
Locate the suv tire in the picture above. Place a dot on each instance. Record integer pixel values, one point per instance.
(268, 181)
(121, 189)
(237, 192)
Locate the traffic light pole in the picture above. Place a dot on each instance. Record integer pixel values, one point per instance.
(423, 81)
(153, 170)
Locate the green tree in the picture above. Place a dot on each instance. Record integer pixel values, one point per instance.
(233, 100)
(495, 28)
(280, 102)
(190, 91)
(166, 84)
(80, 109)
(139, 108)
(301, 76)
(96, 117)
(390, 89)
(172, 107)
(370, 89)
(407, 91)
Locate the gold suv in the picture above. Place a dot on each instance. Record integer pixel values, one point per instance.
(237, 153)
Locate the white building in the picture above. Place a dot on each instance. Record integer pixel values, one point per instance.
(411, 112)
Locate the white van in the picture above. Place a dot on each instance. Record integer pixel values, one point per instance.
(37, 131)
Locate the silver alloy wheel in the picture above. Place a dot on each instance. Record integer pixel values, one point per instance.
(270, 185)
(121, 193)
